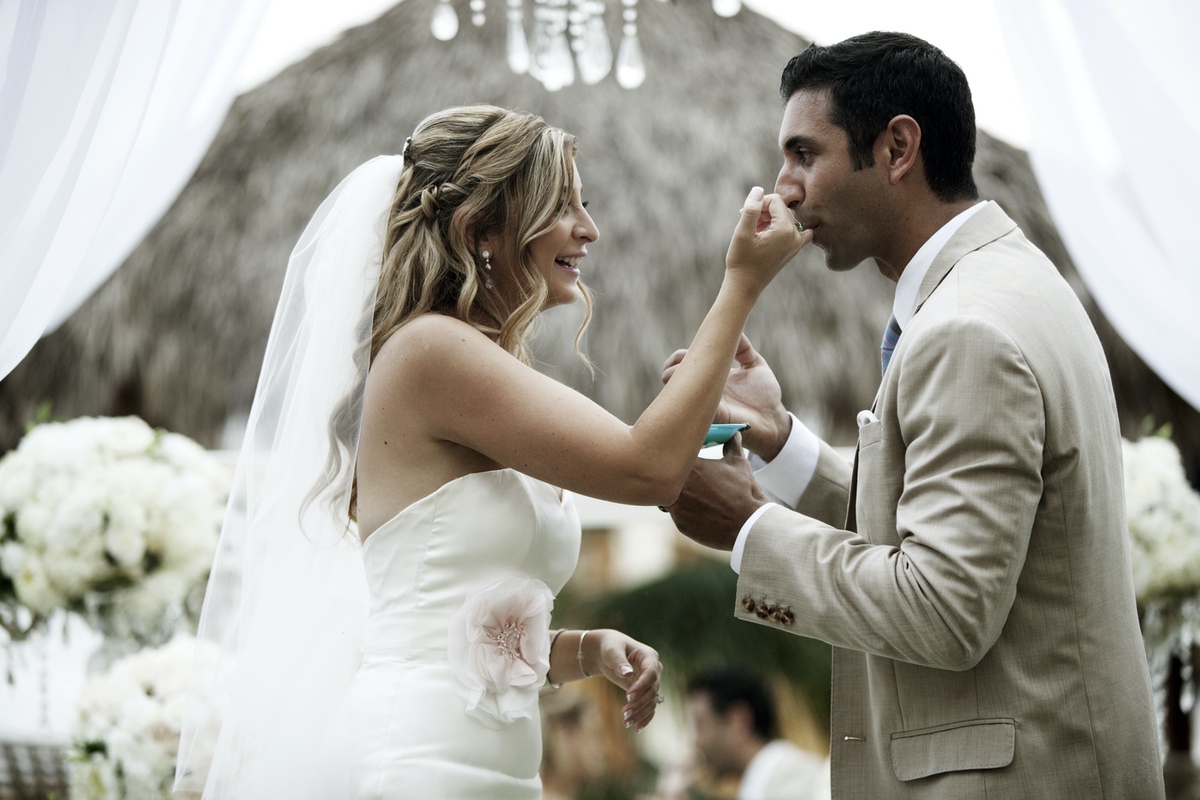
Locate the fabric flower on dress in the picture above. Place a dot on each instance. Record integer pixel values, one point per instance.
(499, 648)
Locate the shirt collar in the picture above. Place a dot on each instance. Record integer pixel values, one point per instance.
(910, 280)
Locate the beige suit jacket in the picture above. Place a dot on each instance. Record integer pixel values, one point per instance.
(972, 570)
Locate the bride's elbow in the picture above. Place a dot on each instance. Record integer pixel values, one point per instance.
(657, 487)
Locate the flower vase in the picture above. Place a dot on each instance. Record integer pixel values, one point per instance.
(106, 615)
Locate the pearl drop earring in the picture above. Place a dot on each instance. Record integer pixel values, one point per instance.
(487, 264)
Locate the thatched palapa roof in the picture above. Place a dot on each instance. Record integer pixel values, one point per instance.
(177, 335)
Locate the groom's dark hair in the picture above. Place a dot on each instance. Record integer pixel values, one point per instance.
(876, 76)
(731, 686)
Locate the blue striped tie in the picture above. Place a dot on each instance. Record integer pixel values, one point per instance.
(890, 337)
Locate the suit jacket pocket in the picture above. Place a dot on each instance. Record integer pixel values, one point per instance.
(870, 434)
(970, 745)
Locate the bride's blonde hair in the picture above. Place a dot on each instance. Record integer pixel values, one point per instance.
(469, 172)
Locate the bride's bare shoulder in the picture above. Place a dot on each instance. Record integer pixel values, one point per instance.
(430, 341)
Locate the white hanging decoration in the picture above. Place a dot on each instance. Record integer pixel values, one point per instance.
(562, 66)
(565, 35)
(444, 25)
(550, 55)
(631, 70)
(477, 15)
(727, 8)
(517, 47)
(589, 40)
(539, 43)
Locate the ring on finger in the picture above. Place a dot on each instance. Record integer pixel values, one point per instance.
(659, 699)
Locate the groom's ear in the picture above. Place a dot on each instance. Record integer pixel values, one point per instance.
(900, 146)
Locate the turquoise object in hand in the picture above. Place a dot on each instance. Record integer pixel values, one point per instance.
(720, 434)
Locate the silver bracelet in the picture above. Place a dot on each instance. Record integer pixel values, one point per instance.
(579, 655)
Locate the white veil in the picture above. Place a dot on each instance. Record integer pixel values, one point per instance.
(286, 602)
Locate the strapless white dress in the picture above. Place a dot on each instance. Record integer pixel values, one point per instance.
(409, 731)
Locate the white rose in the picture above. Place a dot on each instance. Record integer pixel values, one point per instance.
(12, 558)
(74, 573)
(59, 444)
(182, 453)
(79, 517)
(123, 437)
(34, 589)
(33, 521)
(1164, 520)
(17, 481)
(138, 705)
(126, 546)
(125, 536)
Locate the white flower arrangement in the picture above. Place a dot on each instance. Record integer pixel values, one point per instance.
(127, 733)
(107, 507)
(499, 648)
(1163, 511)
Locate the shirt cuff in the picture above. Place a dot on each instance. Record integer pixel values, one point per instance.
(785, 477)
(735, 558)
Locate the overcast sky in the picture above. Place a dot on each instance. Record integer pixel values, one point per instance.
(966, 29)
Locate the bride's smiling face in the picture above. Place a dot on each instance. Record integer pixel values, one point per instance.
(558, 253)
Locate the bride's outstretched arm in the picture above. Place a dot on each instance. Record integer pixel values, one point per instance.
(624, 661)
(457, 386)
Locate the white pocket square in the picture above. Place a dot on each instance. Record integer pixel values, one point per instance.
(865, 418)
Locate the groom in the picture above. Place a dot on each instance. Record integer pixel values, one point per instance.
(971, 569)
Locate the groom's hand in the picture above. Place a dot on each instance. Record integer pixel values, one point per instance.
(752, 395)
(718, 498)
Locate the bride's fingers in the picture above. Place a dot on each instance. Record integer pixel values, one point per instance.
(647, 680)
(644, 695)
(641, 710)
(644, 685)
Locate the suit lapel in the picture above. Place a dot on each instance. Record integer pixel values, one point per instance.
(984, 227)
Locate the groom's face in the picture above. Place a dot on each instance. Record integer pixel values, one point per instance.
(841, 205)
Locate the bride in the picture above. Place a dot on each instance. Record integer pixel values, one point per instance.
(377, 620)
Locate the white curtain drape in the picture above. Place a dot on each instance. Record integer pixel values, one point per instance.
(1111, 88)
(106, 108)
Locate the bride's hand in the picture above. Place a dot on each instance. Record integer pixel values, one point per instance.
(635, 668)
(765, 239)
(752, 395)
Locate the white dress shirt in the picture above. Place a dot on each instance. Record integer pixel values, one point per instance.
(782, 771)
(785, 477)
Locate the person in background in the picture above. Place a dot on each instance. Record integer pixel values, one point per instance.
(736, 739)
